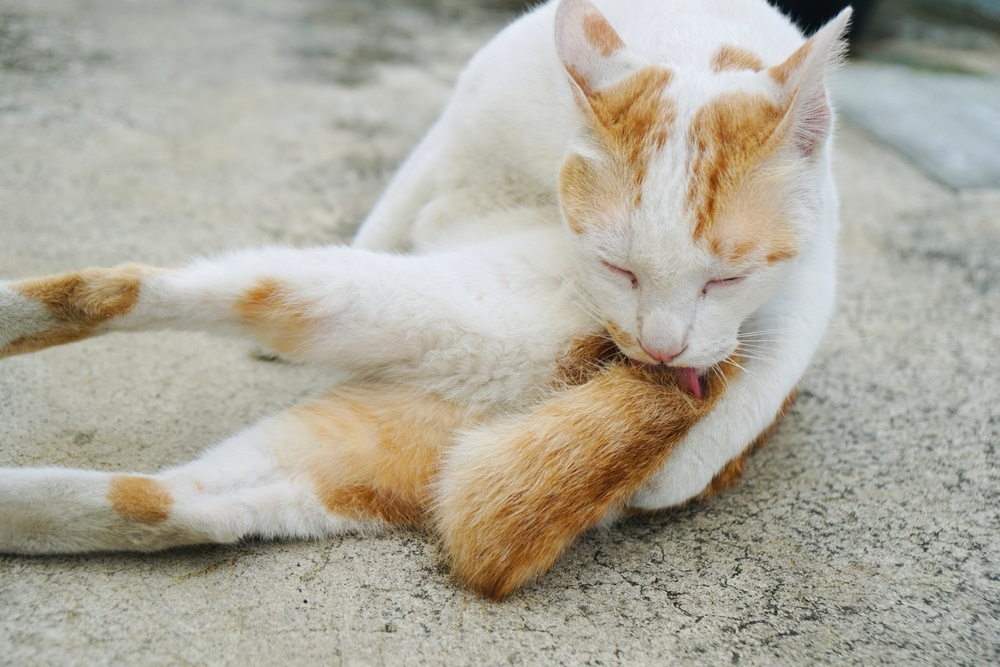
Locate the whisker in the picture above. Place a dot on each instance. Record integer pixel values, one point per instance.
(752, 376)
(722, 377)
(584, 301)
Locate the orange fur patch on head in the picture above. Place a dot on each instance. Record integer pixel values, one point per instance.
(735, 58)
(275, 317)
(79, 303)
(600, 34)
(505, 517)
(754, 225)
(369, 453)
(142, 499)
(586, 191)
(632, 119)
(736, 204)
(783, 72)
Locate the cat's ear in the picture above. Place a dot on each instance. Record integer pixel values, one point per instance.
(802, 78)
(590, 49)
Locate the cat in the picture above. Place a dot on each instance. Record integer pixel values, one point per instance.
(587, 293)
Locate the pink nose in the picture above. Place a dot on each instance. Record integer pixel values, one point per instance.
(664, 356)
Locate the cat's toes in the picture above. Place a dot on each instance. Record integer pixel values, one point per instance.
(24, 322)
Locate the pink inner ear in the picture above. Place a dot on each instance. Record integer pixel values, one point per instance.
(804, 72)
(813, 124)
(588, 46)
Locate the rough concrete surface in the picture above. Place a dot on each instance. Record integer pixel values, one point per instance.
(866, 532)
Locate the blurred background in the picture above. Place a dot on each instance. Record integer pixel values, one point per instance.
(924, 78)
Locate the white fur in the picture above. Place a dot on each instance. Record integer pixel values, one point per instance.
(482, 325)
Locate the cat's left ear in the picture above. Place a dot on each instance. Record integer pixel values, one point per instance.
(590, 49)
(802, 78)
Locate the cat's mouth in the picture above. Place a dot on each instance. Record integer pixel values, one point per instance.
(688, 377)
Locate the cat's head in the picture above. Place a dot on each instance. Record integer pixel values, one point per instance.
(690, 192)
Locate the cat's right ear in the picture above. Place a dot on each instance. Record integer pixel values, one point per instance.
(590, 49)
(803, 76)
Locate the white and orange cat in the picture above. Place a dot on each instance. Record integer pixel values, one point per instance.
(587, 292)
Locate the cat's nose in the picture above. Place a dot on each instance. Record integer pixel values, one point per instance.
(664, 356)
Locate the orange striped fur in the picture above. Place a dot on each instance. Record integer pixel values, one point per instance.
(586, 357)
(375, 454)
(633, 119)
(370, 453)
(735, 58)
(734, 201)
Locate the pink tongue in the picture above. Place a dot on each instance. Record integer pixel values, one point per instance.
(689, 377)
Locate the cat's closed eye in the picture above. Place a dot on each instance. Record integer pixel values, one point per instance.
(624, 273)
(722, 282)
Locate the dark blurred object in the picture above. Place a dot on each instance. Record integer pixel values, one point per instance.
(810, 15)
(957, 36)
(981, 13)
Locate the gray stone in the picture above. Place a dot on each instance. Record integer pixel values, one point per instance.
(948, 124)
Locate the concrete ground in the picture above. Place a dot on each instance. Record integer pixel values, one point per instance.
(866, 532)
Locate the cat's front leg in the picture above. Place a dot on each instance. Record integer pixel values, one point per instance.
(777, 347)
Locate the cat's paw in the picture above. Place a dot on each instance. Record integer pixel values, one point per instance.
(52, 310)
(22, 320)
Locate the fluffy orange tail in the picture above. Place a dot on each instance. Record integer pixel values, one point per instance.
(511, 498)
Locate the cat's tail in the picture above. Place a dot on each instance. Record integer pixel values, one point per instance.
(512, 497)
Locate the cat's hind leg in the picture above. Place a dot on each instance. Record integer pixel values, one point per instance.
(53, 310)
(355, 460)
(369, 313)
(280, 296)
